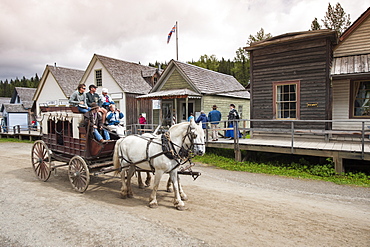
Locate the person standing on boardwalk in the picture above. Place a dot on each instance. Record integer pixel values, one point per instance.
(214, 117)
(233, 115)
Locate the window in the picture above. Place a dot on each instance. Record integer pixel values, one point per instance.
(98, 78)
(360, 103)
(286, 99)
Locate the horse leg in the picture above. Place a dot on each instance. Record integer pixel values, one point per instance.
(184, 197)
(148, 178)
(169, 184)
(131, 172)
(124, 186)
(179, 204)
(140, 181)
(153, 196)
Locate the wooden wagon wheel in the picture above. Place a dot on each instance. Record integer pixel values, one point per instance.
(78, 173)
(41, 160)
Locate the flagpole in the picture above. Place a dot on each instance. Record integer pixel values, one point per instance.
(177, 42)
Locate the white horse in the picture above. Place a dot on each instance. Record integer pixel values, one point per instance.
(133, 151)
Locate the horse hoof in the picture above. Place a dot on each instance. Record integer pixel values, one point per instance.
(185, 198)
(153, 205)
(169, 190)
(180, 208)
(141, 187)
(123, 196)
(130, 196)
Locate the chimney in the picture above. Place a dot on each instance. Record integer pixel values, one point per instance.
(55, 65)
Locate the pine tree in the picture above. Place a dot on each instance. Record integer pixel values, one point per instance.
(261, 35)
(315, 25)
(336, 19)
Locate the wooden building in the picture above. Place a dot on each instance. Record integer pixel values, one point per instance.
(19, 111)
(351, 75)
(56, 85)
(184, 88)
(290, 78)
(124, 81)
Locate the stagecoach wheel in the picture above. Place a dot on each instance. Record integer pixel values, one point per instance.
(41, 160)
(78, 173)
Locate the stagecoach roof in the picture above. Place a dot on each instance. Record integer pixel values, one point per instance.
(170, 94)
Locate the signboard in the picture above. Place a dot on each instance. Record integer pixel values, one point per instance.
(156, 104)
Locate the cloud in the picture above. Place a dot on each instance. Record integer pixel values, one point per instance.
(39, 32)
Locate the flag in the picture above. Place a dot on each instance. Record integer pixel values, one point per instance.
(170, 34)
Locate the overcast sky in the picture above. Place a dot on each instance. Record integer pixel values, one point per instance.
(34, 33)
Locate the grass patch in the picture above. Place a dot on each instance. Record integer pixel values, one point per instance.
(298, 169)
(15, 140)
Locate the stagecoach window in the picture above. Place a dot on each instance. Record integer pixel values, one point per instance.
(98, 78)
(360, 99)
(286, 100)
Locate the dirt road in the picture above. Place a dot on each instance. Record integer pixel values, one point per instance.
(224, 209)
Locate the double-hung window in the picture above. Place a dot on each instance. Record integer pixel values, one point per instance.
(98, 78)
(286, 99)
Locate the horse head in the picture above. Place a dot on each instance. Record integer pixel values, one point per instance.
(197, 134)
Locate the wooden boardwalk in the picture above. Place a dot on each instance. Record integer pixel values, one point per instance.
(338, 149)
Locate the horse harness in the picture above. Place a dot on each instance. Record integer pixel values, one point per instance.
(168, 149)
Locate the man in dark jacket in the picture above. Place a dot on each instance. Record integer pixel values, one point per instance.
(94, 123)
(214, 117)
(93, 97)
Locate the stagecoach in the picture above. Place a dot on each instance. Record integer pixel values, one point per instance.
(65, 139)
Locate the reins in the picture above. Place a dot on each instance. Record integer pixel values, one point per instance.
(168, 149)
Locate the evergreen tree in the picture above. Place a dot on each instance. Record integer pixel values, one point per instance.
(336, 19)
(315, 25)
(261, 35)
(241, 67)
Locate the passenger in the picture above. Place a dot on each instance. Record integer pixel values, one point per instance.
(92, 97)
(142, 121)
(233, 115)
(190, 117)
(78, 98)
(214, 117)
(93, 121)
(106, 99)
(114, 115)
(202, 118)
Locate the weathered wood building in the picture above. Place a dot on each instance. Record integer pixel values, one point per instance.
(184, 88)
(290, 78)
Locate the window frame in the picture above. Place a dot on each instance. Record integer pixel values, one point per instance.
(100, 82)
(352, 100)
(298, 100)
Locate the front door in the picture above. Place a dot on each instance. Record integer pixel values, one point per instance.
(183, 110)
(167, 107)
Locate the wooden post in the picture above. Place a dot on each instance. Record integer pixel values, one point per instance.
(238, 155)
(338, 163)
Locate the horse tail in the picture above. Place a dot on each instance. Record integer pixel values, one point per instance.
(116, 162)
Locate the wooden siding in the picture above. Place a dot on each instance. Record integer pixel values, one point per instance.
(307, 61)
(176, 81)
(341, 104)
(351, 64)
(223, 104)
(357, 43)
(132, 114)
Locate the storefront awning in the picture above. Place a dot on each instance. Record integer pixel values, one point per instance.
(171, 94)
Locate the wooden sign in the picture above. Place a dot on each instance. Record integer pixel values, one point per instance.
(312, 104)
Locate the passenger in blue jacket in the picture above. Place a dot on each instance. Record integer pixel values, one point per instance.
(202, 118)
(113, 117)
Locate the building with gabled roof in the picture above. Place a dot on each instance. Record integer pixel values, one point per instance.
(124, 81)
(19, 111)
(56, 85)
(184, 88)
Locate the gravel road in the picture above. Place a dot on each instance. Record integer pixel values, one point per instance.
(225, 208)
